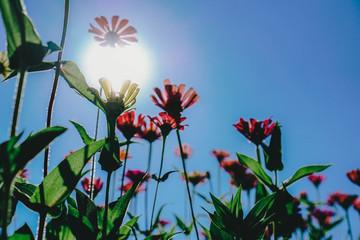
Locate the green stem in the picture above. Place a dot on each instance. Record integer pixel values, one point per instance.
(6, 210)
(348, 223)
(158, 182)
(125, 160)
(258, 154)
(276, 177)
(106, 205)
(55, 83)
(187, 183)
(146, 187)
(20, 86)
(93, 163)
(41, 226)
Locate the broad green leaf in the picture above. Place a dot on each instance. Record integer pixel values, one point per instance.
(235, 205)
(43, 66)
(181, 224)
(82, 132)
(76, 80)
(62, 180)
(80, 225)
(86, 207)
(257, 170)
(261, 192)
(59, 229)
(126, 229)
(23, 44)
(117, 214)
(259, 210)
(303, 172)
(218, 234)
(33, 145)
(23, 233)
(157, 218)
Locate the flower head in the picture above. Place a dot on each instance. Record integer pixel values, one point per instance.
(118, 33)
(116, 101)
(316, 179)
(98, 184)
(354, 176)
(196, 178)
(175, 99)
(255, 131)
(344, 200)
(166, 123)
(24, 174)
(122, 155)
(127, 186)
(136, 175)
(149, 132)
(187, 151)
(356, 205)
(127, 125)
(322, 216)
(163, 222)
(239, 174)
(220, 154)
(4, 65)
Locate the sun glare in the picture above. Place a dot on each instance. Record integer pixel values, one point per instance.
(117, 64)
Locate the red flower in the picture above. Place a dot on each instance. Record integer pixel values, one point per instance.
(233, 167)
(344, 200)
(356, 205)
(239, 174)
(316, 179)
(220, 154)
(163, 222)
(175, 99)
(255, 131)
(127, 186)
(118, 33)
(323, 217)
(187, 151)
(196, 178)
(122, 155)
(24, 174)
(149, 132)
(136, 175)
(166, 123)
(126, 124)
(98, 184)
(354, 176)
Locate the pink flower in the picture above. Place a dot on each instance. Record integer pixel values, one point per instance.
(220, 154)
(98, 184)
(166, 123)
(187, 151)
(195, 178)
(354, 176)
(127, 125)
(255, 131)
(127, 187)
(136, 175)
(119, 33)
(149, 132)
(163, 222)
(344, 200)
(316, 179)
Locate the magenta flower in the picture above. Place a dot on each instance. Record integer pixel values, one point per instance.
(316, 179)
(220, 154)
(187, 151)
(149, 132)
(255, 131)
(127, 125)
(354, 176)
(98, 184)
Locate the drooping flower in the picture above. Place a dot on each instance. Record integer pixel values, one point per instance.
(163, 222)
(233, 167)
(118, 33)
(175, 99)
(187, 151)
(116, 101)
(220, 154)
(239, 174)
(166, 123)
(344, 200)
(149, 132)
(354, 176)
(127, 125)
(195, 178)
(316, 179)
(136, 175)
(98, 184)
(255, 131)
(322, 216)
(4, 65)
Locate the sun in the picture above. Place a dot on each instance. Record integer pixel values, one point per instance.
(117, 64)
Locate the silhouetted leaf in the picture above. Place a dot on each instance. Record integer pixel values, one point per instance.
(86, 207)
(23, 233)
(164, 177)
(82, 132)
(303, 172)
(273, 152)
(125, 230)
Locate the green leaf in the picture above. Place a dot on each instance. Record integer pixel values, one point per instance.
(62, 180)
(181, 224)
(218, 234)
(33, 145)
(80, 225)
(273, 152)
(126, 229)
(43, 66)
(261, 192)
(235, 205)
(303, 172)
(157, 218)
(257, 170)
(87, 208)
(118, 213)
(23, 233)
(164, 177)
(108, 159)
(82, 132)
(23, 44)
(76, 80)
(59, 229)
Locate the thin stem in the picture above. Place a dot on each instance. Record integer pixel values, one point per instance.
(348, 223)
(248, 195)
(158, 182)
(55, 83)
(20, 86)
(41, 226)
(5, 203)
(276, 177)
(146, 187)
(187, 183)
(106, 205)
(93, 163)
(125, 160)
(258, 154)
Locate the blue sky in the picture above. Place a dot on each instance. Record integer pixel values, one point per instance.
(295, 61)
